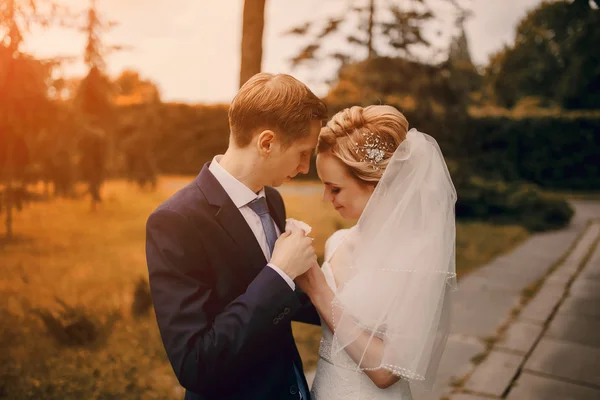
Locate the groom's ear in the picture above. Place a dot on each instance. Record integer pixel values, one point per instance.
(266, 142)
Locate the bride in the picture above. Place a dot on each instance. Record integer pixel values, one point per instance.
(382, 291)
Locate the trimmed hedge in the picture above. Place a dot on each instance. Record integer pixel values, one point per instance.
(185, 136)
(553, 151)
(491, 151)
(558, 152)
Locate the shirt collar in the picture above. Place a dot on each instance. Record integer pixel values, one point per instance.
(239, 193)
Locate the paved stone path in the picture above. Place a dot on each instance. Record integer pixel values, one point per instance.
(506, 345)
(503, 348)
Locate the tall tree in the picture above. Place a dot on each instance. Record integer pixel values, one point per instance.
(555, 57)
(23, 96)
(132, 89)
(370, 29)
(465, 79)
(252, 38)
(94, 99)
(94, 94)
(400, 28)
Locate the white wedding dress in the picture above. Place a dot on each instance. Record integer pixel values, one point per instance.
(335, 382)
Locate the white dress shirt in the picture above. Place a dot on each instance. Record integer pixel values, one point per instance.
(241, 195)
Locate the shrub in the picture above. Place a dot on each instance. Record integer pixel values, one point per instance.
(511, 203)
(142, 299)
(76, 326)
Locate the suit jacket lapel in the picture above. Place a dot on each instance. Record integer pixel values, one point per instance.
(236, 226)
(230, 218)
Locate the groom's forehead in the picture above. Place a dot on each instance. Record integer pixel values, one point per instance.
(311, 138)
(304, 144)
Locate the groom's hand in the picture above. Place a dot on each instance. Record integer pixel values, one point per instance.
(293, 253)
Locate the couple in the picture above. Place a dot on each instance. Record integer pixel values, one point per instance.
(228, 276)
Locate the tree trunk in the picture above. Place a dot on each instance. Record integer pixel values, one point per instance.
(252, 37)
(9, 218)
(370, 29)
(9, 168)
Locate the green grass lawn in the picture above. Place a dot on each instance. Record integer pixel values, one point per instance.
(93, 260)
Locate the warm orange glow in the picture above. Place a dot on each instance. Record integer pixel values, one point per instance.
(191, 48)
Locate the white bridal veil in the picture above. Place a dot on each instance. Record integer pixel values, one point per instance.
(391, 306)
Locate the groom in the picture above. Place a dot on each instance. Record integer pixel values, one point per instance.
(222, 282)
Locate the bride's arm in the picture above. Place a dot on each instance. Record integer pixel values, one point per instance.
(314, 284)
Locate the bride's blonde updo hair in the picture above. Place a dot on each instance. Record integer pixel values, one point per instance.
(347, 133)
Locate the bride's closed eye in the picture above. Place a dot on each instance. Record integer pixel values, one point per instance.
(335, 190)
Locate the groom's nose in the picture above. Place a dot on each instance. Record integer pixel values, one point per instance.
(304, 167)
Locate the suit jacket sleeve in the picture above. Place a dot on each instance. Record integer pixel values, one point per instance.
(307, 313)
(203, 346)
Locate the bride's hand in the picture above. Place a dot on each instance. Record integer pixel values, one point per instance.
(312, 281)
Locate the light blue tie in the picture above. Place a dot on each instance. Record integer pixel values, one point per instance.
(259, 206)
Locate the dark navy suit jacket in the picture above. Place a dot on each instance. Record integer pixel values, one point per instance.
(224, 317)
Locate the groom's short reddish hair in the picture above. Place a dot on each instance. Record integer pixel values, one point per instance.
(280, 103)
